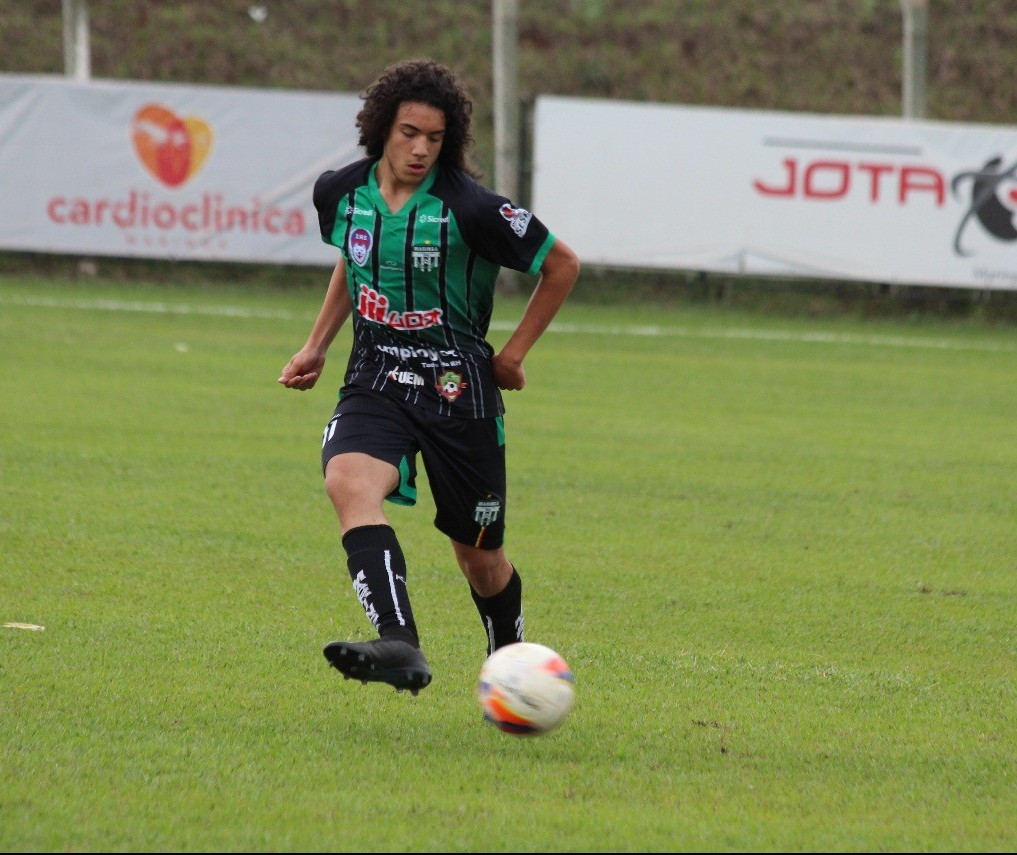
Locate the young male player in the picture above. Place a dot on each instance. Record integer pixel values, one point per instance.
(421, 246)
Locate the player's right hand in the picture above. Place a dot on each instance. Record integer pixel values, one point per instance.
(302, 371)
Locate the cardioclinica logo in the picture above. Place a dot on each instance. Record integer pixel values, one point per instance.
(179, 210)
(172, 148)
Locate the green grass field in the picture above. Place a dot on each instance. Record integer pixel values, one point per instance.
(779, 555)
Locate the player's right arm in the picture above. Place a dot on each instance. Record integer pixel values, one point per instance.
(304, 369)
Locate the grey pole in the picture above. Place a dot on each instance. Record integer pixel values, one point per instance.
(77, 50)
(505, 70)
(505, 36)
(915, 14)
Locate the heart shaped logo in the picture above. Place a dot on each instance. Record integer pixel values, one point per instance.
(171, 148)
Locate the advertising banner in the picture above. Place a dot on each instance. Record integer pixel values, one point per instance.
(168, 171)
(640, 185)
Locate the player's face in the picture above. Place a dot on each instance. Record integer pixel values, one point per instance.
(414, 142)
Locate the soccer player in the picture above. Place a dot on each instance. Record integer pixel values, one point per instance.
(421, 244)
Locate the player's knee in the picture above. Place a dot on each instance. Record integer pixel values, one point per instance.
(487, 571)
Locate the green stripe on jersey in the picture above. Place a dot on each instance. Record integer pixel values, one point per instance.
(419, 265)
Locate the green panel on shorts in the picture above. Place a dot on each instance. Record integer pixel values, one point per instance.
(500, 421)
(405, 492)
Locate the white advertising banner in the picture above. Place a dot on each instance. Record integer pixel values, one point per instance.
(779, 194)
(168, 171)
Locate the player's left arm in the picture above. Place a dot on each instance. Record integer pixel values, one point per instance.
(558, 273)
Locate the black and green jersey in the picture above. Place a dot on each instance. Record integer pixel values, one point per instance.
(422, 282)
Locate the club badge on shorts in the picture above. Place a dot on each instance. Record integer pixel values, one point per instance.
(487, 510)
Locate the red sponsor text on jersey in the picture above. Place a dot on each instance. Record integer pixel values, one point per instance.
(374, 307)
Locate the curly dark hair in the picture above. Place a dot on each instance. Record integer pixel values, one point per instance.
(426, 82)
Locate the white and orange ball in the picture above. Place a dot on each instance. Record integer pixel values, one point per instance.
(526, 689)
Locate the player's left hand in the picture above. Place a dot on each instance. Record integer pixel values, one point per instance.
(508, 374)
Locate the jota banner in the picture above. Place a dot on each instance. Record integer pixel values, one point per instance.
(636, 185)
(168, 171)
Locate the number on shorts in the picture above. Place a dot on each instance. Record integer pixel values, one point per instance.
(329, 431)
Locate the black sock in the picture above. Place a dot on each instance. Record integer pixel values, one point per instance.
(378, 570)
(502, 614)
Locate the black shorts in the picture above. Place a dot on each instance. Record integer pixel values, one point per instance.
(464, 460)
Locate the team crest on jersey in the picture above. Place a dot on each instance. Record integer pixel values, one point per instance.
(518, 218)
(450, 385)
(360, 243)
(426, 257)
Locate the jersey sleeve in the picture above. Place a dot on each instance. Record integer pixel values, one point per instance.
(503, 233)
(331, 189)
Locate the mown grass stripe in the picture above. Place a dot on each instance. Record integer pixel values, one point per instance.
(651, 331)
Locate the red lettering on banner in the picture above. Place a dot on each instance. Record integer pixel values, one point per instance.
(922, 179)
(832, 180)
(814, 188)
(210, 214)
(79, 212)
(792, 177)
(875, 170)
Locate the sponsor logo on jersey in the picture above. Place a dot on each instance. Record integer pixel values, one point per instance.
(407, 378)
(430, 218)
(374, 307)
(409, 352)
(355, 211)
(360, 243)
(450, 385)
(426, 257)
(518, 218)
(435, 357)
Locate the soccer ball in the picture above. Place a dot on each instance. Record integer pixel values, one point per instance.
(525, 689)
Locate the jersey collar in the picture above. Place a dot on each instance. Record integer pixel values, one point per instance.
(379, 201)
